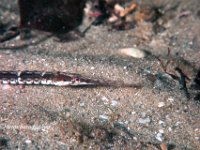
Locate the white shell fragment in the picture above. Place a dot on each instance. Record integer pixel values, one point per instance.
(161, 104)
(133, 52)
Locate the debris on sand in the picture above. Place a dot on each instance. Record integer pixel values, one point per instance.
(133, 52)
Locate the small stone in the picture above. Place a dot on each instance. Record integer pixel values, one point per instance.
(133, 52)
(161, 131)
(28, 141)
(197, 138)
(103, 117)
(82, 104)
(126, 122)
(162, 123)
(144, 120)
(169, 129)
(125, 67)
(25, 61)
(135, 138)
(170, 99)
(18, 91)
(161, 104)
(163, 146)
(105, 100)
(178, 123)
(143, 114)
(133, 112)
(160, 136)
(120, 122)
(114, 103)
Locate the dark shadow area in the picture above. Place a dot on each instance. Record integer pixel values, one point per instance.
(4, 143)
(21, 47)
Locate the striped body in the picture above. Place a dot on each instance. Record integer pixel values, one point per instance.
(45, 78)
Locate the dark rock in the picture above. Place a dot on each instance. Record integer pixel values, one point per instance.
(51, 15)
(195, 83)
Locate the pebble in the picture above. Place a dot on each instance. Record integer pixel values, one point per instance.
(163, 146)
(133, 112)
(28, 141)
(82, 104)
(114, 103)
(161, 104)
(126, 122)
(161, 130)
(135, 138)
(18, 91)
(125, 67)
(169, 129)
(120, 122)
(143, 114)
(178, 123)
(133, 52)
(160, 136)
(144, 120)
(105, 100)
(103, 117)
(162, 123)
(170, 99)
(197, 138)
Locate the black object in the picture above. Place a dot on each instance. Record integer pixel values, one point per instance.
(11, 33)
(182, 82)
(51, 15)
(195, 83)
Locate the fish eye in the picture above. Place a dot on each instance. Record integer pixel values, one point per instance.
(76, 79)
